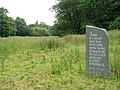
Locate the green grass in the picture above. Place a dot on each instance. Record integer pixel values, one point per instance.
(53, 63)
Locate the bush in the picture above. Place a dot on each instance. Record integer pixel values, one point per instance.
(37, 31)
(60, 33)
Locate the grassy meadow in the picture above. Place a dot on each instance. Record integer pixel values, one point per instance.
(54, 63)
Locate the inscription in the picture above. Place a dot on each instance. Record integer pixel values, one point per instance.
(96, 51)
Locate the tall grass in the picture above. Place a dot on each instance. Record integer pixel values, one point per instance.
(69, 60)
(53, 63)
(115, 52)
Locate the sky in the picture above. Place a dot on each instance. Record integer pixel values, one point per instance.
(30, 10)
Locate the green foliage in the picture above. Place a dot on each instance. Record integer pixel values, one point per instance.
(12, 27)
(4, 26)
(51, 43)
(115, 24)
(3, 11)
(37, 31)
(97, 12)
(22, 28)
(7, 24)
(41, 29)
(31, 25)
(76, 14)
(44, 25)
(66, 62)
(36, 23)
(68, 15)
(101, 12)
(60, 33)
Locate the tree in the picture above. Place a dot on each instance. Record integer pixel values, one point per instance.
(3, 11)
(74, 15)
(36, 23)
(38, 31)
(44, 25)
(12, 26)
(101, 12)
(7, 24)
(22, 28)
(69, 14)
(41, 29)
(115, 24)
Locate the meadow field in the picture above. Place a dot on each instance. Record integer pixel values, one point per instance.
(54, 63)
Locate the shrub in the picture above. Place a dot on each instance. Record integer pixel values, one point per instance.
(60, 33)
(37, 31)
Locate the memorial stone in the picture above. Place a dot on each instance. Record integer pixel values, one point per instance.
(97, 51)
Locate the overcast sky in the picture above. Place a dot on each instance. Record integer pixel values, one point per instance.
(30, 10)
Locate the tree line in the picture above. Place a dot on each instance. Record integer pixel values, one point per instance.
(73, 15)
(18, 27)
